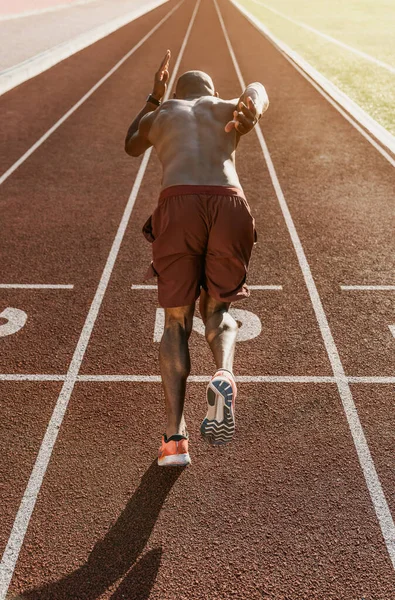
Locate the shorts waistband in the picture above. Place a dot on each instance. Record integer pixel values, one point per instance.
(204, 190)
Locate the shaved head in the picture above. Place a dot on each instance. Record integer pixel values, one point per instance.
(194, 83)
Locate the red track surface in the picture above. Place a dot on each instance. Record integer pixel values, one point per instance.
(282, 513)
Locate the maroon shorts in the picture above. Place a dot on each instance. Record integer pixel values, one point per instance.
(202, 236)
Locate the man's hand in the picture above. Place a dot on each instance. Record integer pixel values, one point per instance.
(162, 77)
(244, 119)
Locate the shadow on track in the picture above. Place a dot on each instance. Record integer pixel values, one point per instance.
(113, 556)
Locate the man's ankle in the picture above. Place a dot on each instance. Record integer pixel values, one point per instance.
(227, 370)
(181, 430)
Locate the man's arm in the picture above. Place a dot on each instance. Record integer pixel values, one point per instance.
(136, 141)
(251, 105)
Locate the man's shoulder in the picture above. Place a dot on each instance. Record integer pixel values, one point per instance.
(212, 101)
(220, 108)
(216, 101)
(172, 103)
(171, 106)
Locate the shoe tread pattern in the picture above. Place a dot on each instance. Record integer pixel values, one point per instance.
(215, 432)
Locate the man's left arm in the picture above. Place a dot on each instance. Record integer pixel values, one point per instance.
(251, 105)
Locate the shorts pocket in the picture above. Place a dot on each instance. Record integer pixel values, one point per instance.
(150, 273)
(147, 230)
(247, 206)
(255, 231)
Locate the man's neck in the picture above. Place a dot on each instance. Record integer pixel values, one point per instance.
(191, 97)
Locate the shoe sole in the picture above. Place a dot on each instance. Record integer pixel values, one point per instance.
(218, 427)
(175, 460)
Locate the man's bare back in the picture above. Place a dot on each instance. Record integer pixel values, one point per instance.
(191, 142)
(196, 133)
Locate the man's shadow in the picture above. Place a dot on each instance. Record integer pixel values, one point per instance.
(113, 556)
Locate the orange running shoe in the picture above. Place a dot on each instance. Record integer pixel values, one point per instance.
(218, 426)
(174, 451)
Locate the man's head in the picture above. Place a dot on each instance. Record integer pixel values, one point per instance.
(193, 84)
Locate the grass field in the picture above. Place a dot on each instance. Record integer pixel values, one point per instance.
(366, 25)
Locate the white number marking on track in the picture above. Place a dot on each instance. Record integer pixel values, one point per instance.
(16, 319)
(250, 325)
(392, 329)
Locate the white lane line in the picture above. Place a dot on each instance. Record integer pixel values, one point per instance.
(35, 286)
(365, 288)
(367, 379)
(377, 380)
(251, 287)
(31, 377)
(144, 287)
(58, 123)
(242, 378)
(265, 287)
(392, 329)
(365, 458)
(205, 378)
(21, 523)
(329, 38)
(349, 109)
(120, 378)
(159, 325)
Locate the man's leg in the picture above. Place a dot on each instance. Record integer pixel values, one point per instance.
(221, 330)
(175, 364)
(218, 426)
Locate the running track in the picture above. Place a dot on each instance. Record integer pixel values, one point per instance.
(301, 505)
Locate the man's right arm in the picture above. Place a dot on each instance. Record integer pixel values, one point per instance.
(136, 141)
(256, 91)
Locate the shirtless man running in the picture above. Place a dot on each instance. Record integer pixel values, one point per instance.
(202, 235)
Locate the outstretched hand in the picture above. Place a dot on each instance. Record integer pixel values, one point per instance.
(162, 77)
(244, 119)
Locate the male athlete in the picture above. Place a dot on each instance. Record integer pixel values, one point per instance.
(202, 235)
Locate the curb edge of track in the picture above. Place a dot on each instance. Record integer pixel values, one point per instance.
(37, 64)
(341, 100)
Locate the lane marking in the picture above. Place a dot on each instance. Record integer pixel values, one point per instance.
(329, 38)
(16, 319)
(22, 519)
(58, 123)
(368, 379)
(265, 287)
(144, 287)
(368, 287)
(349, 109)
(159, 326)
(378, 498)
(31, 377)
(376, 380)
(250, 324)
(251, 287)
(392, 329)
(35, 286)
(205, 378)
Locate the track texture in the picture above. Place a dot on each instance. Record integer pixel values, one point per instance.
(282, 513)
